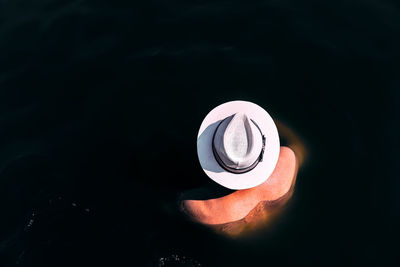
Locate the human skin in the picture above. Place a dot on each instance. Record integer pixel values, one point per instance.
(250, 207)
(238, 204)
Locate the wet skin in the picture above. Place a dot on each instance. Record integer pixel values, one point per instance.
(239, 209)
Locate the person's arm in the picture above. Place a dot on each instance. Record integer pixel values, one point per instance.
(243, 209)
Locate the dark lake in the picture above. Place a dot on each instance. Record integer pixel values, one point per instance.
(101, 101)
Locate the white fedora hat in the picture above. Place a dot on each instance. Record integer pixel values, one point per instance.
(238, 145)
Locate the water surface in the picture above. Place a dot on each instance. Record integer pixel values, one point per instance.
(101, 101)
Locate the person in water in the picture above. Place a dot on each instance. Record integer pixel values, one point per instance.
(238, 147)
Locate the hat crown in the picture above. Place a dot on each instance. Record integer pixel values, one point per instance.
(238, 141)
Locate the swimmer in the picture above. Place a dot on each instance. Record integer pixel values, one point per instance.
(252, 207)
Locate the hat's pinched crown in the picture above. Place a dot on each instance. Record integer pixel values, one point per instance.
(238, 143)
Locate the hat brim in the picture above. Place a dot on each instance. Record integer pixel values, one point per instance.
(210, 166)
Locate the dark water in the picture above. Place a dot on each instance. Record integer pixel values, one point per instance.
(100, 104)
